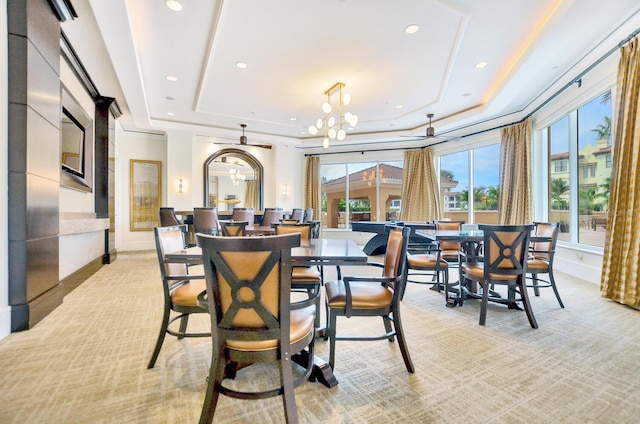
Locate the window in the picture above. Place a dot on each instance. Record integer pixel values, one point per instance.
(477, 169)
(360, 191)
(580, 148)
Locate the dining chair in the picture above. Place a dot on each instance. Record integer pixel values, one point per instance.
(424, 260)
(233, 228)
(205, 220)
(308, 215)
(252, 318)
(180, 290)
(304, 278)
(297, 214)
(504, 263)
(373, 297)
(167, 217)
(541, 256)
(243, 214)
(271, 215)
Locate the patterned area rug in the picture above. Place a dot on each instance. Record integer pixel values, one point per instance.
(86, 362)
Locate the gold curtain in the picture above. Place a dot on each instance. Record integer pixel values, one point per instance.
(312, 186)
(620, 280)
(250, 195)
(420, 196)
(514, 204)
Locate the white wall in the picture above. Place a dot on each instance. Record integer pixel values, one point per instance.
(5, 310)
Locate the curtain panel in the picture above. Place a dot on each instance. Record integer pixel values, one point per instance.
(312, 186)
(515, 201)
(420, 195)
(620, 280)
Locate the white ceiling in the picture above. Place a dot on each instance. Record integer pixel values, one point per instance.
(297, 49)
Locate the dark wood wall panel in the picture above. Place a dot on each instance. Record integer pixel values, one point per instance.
(42, 266)
(34, 149)
(42, 213)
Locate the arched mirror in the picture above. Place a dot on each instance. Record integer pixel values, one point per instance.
(232, 178)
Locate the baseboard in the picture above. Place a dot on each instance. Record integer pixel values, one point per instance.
(72, 281)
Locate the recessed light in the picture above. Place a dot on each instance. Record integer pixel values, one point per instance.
(412, 29)
(399, 106)
(172, 78)
(241, 65)
(174, 5)
(302, 132)
(171, 114)
(466, 94)
(169, 98)
(293, 118)
(481, 65)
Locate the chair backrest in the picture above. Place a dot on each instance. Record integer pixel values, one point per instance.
(170, 239)
(271, 215)
(297, 214)
(303, 229)
(505, 249)
(545, 249)
(233, 228)
(396, 254)
(289, 221)
(167, 217)
(248, 287)
(243, 214)
(449, 225)
(308, 215)
(205, 220)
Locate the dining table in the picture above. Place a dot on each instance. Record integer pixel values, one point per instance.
(312, 252)
(470, 243)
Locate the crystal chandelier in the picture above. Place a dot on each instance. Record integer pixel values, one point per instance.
(332, 125)
(236, 176)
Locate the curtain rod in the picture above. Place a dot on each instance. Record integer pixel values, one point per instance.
(576, 80)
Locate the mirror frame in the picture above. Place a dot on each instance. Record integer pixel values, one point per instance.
(245, 156)
(78, 180)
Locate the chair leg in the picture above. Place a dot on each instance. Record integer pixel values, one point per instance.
(286, 382)
(161, 336)
(388, 328)
(331, 331)
(534, 280)
(216, 374)
(485, 301)
(397, 323)
(552, 281)
(527, 305)
(183, 326)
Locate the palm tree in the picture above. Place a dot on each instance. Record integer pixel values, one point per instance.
(446, 174)
(558, 188)
(603, 130)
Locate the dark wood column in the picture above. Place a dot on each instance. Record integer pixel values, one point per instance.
(105, 172)
(34, 161)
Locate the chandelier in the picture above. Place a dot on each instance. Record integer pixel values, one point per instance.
(334, 119)
(236, 176)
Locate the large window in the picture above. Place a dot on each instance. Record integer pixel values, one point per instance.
(362, 191)
(580, 157)
(471, 171)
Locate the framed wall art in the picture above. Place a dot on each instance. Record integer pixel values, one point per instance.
(145, 191)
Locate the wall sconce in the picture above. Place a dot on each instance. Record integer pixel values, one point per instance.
(285, 190)
(181, 185)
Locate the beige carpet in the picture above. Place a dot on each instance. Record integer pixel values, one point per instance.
(86, 362)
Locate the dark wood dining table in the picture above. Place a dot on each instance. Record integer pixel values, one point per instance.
(312, 252)
(469, 241)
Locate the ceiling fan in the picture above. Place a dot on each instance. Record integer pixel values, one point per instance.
(243, 141)
(431, 133)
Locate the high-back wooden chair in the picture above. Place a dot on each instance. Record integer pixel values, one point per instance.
(504, 263)
(308, 215)
(373, 297)
(541, 258)
(167, 217)
(297, 214)
(205, 220)
(244, 214)
(271, 216)
(252, 319)
(233, 228)
(179, 288)
(424, 262)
